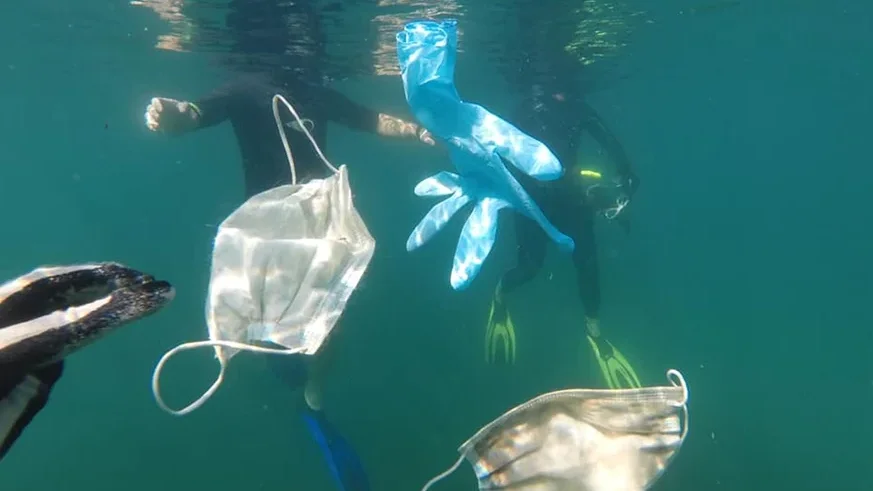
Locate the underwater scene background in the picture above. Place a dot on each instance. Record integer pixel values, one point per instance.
(746, 266)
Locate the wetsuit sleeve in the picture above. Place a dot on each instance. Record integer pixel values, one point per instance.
(608, 141)
(343, 110)
(214, 108)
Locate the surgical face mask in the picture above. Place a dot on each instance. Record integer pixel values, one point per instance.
(581, 440)
(283, 267)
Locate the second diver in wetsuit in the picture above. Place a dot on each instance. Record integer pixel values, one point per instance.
(557, 116)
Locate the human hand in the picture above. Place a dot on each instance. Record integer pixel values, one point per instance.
(171, 116)
(593, 326)
(425, 137)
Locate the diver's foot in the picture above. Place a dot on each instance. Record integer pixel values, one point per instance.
(312, 395)
(592, 325)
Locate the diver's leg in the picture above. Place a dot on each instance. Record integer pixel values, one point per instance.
(343, 461)
(531, 242)
(500, 331)
(319, 366)
(616, 369)
(313, 388)
(587, 268)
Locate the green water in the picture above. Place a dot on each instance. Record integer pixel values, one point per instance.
(747, 267)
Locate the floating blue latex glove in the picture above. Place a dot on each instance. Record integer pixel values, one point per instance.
(477, 140)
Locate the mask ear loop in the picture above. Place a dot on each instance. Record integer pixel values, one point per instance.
(677, 380)
(444, 474)
(611, 213)
(281, 127)
(156, 376)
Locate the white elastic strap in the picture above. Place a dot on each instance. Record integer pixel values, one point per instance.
(611, 213)
(310, 125)
(156, 376)
(444, 474)
(281, 127)
(677, 380)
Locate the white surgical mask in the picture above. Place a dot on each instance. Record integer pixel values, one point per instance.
(283, 267)
(581, 440)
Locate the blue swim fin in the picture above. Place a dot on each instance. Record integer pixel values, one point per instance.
(345, 465)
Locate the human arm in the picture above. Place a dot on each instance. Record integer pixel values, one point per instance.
(175, 117)
(343, 110)
(596, 127)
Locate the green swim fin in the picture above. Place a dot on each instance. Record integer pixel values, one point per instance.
(499, 332)
(617, 371)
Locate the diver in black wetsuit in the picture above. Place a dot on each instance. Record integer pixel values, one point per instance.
(281, 47)
(247, 103)
(281, 44)
(552, 110)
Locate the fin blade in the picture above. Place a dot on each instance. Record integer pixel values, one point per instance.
(22, 398)
(475, 243)
(344, 463)
(435, 220)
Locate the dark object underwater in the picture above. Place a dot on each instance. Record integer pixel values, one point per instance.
(343, 462)
(52, 312)
(345, 465)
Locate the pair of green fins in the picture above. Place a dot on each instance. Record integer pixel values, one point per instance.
(500, 339)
